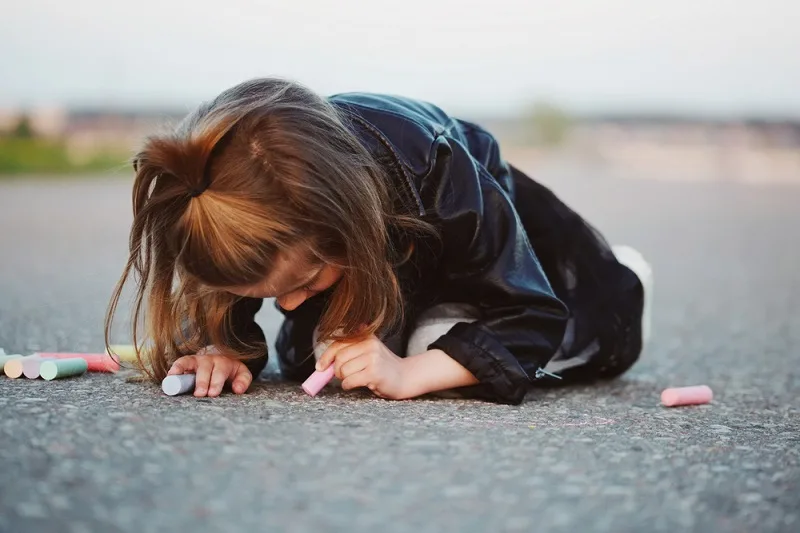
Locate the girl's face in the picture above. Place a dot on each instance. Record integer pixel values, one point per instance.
(293, 280)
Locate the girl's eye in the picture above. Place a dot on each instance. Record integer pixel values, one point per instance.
(309, 287)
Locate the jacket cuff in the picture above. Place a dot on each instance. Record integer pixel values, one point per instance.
(501, 377)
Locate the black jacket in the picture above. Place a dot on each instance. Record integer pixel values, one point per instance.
(450, 171)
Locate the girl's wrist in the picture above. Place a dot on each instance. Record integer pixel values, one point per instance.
(412, 378)
(433, 371)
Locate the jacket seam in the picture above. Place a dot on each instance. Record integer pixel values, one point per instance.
(394, 114)
(398, 160)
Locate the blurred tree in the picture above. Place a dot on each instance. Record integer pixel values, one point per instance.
(24, 130)
(549, 124)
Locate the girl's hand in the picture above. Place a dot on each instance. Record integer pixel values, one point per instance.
(212, 372)
(368, 363)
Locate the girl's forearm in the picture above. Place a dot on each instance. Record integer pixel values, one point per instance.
(434, 371)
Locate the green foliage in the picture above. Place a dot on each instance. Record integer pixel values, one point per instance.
(23, 129)
(21, 155)
(549, 125)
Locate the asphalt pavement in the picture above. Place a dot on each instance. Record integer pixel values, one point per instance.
(102, 454)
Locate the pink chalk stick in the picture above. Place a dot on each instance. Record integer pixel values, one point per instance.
(697, 395)
(317, 381)
(30, 366)
(97, 362)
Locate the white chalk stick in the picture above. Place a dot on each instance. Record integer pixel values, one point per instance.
(178, 384)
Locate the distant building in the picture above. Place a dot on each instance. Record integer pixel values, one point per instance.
(9, 119)
(746, 149)
(89, 131)
(45, 121)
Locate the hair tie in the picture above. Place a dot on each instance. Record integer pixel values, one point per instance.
(197, 191)
(194, 193)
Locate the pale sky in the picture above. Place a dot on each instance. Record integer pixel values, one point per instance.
(487, 56)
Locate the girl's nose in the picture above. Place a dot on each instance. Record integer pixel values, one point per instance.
(292, 301)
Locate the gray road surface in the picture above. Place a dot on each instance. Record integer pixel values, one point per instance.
(101, 454)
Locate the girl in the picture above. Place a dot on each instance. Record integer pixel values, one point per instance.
(395, 239)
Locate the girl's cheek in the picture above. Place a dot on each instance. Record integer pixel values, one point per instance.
(330, 279)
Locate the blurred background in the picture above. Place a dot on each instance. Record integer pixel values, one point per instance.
(681, 90)
(629, 110)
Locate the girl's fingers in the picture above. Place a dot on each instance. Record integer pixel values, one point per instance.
(219, 375)
(332, 353)
(353, 365)
(346, 355)
(183, 365)
(212, 372)
(205, 366)
(241, 379)
(358, 379)
(329, 355)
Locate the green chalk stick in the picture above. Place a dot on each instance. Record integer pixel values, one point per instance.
(62, 368)
(6, 358)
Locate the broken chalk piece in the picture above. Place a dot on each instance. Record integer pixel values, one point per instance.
(62, 368)
(31, 366)
(317, 381)
(696, 395)
(178, 384)
(97, 362)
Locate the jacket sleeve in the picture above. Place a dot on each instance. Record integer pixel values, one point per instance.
(488, 261)
(248, 332)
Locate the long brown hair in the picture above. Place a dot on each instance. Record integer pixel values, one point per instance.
(265, 166)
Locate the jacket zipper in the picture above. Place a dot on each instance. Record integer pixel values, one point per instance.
(540, 373)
